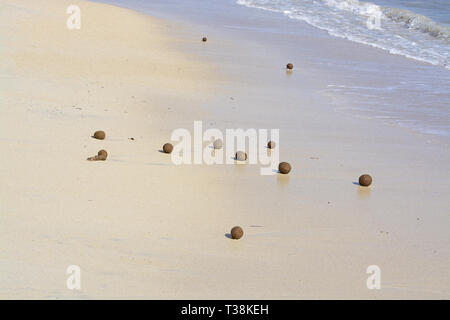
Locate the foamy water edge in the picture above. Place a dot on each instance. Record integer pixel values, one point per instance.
(411, 24)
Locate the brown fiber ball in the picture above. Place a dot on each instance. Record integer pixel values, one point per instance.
(167, 148)
(284, 167)
(271, 144)
(99, 135)
(218, 144)
(204, 39)
(365, 180)
(237, 233)
(241, 156)
(290, 66)
(102, 155)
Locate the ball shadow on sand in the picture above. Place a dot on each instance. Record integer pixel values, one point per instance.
(363, 192)
(282, 179)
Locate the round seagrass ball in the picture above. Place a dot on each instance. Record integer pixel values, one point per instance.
(237, 233)
(284, 167)
(99, 135)
(102, 155)
(365, 180)
(204, 39)
(241, 156)
(218, 144)
(167, 148)
(290, 66)
(271, 144)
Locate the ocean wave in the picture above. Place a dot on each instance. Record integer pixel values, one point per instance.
(400, 31)
(409, 19)
(359, 7)
(417, 22)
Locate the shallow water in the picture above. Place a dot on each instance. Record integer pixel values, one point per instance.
(392, 28)
(410, 88)
(437, 10)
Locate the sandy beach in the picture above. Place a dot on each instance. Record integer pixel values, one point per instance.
(141, 227)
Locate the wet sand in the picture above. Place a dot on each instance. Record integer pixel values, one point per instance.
(141, 227)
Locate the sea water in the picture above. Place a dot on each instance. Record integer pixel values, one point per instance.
(389, 25)
(414, 93)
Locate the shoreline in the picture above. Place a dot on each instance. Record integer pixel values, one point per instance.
(409, 94)
(153, 230)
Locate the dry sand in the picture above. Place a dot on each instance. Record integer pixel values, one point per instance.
(141, 227)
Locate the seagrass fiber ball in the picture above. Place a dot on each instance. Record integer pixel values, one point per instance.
(241, 156)
(284, 167)
(167, 148)
(365, 180)
(218, 144)
(237, 233)
(102, 155)
(100, 135)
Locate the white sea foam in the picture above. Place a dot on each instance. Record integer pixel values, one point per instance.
(401, 32)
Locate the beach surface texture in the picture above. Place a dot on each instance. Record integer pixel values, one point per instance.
(140, 227)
